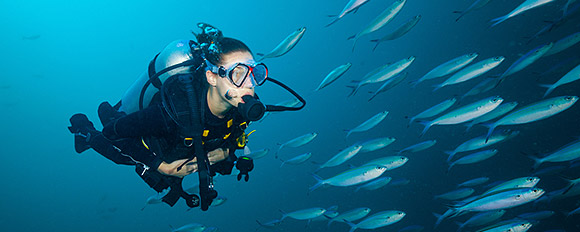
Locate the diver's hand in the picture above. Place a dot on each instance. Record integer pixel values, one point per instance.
(171, 169)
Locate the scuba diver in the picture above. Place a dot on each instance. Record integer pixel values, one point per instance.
(187, 113)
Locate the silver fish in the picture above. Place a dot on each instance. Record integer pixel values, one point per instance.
(473, 182)
(389, 84)
(298, 141)
(500, 200)
(481, 142)
(482, 219)
(193, 227)
(528, 4)
(378, 220)
(375, 144)
(474, 158)
(389, 162)
(375, 184)
(434, 110)
(370, 123)
(258, 154)
(465, 113)
(351, 177)
(448, 67)
(286, 45)
(502, 109)
(474, 6)
(297, 159)
(536, 216)
(402, 30)
(351, 215)
(511, 226)
(564, 44)
(383, 73)
(571, 76)
(566, 153)
(522, 182)
(472, 71)
(304, 214)
(534, 112)
(526, 60)
(385, 17)
(342, 156)
(418, 147)
(352, 5)
(483, 86)
(334, 75)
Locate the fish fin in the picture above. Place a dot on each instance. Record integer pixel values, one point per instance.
(427, 125)
(352, 225)
(497, 21)
(550, 89)
(333, 21)
(283, 162)
(491, 127)
(351, 37)
(451, 154)
(317, 185)
(377, 42)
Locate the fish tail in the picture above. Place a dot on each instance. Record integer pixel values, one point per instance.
(460, 16)
(537, 161)
(490, 131)
(317, 185)
(377, 42)
(550, 89)
(354, 90)
(498, 20)
(427, 125)
(352, 225)
(351, 37)
(284, 214)
(437, 87)
(333, 21)
(569, 187)
(469, 126)
(460, 226)
(329, 222)
(451, 154)
(450, 166)
(372, 98)
(414, 83)
(283, 162)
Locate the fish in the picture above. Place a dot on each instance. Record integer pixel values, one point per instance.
(376, 144)
(375, 184)
(351, 215)
(193, 227)
(511, 226)
(474, 158)
(297, 159)
(536, 216)
(564, 44)
(219, 200)
(565, 7)
(481, 142)
(334, 75)
(568, 152)
(465, 113)
(434, 110)
(412, 228)
(448, 67)
(342, 156)
(369, 123)
(351, 6)
(527, 5)
(474, 182)
(351, 177)
(500, 200)
(526, 60)
(456, 194)
(483, 86)
(304, 214)
(258, 154)
(399, 182)
(418, 147)
(474, 6)
(389, 162)
(389, 84)
(571, 76)
(534, 112)
(472, 71)
(155, 199)
(378, 220)
(502, 109)
(270, 224)
(298, 141)
(385, 17)
(522, 182)
(481, 219)
(383, 73)
(402, 30)
(286, 45)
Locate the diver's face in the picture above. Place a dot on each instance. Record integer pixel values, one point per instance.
(226, 89)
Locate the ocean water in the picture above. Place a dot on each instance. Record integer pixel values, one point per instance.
(62, 57)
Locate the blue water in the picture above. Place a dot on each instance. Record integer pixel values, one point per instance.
(92, 51)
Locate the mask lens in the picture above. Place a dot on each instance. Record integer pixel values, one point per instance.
(238, 74)
(260, 73)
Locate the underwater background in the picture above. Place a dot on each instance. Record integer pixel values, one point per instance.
(64, 57)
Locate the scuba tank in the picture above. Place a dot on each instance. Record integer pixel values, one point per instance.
(174, 53)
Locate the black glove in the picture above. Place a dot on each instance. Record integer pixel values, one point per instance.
(244, 164)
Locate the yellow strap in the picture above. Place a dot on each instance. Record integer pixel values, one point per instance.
(227, 136)
(250, 133)
(205, 133)
(144, 144)
(230, 123)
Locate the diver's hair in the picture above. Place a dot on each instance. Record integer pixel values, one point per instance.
(227, 45)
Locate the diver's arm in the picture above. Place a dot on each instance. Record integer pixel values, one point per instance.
(170, 169)
(151, 121)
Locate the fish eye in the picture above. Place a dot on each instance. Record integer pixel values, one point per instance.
(568, 98)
